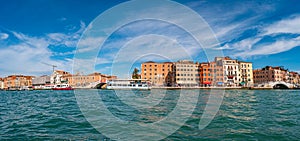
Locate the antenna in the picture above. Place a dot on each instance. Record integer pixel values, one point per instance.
(53, 66)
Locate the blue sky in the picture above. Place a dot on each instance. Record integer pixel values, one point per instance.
(36, 32)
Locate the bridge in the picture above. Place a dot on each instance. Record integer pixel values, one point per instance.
(277, 84)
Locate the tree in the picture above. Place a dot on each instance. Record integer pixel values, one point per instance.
(135, 74)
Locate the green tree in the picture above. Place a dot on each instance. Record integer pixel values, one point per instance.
(135, 74)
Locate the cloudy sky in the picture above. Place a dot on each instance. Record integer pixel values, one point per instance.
(35, 33)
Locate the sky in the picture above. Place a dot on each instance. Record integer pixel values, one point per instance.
(36, 33)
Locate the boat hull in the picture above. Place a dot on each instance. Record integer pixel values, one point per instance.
(127, 88)
(68, 88)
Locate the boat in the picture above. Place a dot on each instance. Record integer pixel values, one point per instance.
(62, 87)
(140, 84)
(44, 87)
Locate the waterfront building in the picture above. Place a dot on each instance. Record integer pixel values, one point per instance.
(205, 74)
(294, 78)
(1, 84)
(269, 74)
(217, 75)
(41, 80)
(160, 74)
(246, 73)
(58, 76)
(230, 70)
(224, 71)
(211, 74)
(187, 73)
(16, 82)
(87, 81)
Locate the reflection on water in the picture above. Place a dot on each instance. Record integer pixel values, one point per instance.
(243, 115)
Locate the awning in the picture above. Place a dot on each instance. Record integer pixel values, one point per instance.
(230, 77)
(220, 83)
(206, 82)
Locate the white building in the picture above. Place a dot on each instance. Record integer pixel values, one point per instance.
(231, 70)
(57, 77)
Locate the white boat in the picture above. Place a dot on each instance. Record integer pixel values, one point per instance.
(62, 87)
(129, 84)
(54, 87)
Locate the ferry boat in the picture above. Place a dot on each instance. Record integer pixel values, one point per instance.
(141, 84)
(62, 87)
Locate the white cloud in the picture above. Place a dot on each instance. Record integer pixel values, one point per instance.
(289, 25)
(3, 36)
(252, 46)
(28, 54)
(273, 48)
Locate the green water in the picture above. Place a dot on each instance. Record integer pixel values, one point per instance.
(243, 115)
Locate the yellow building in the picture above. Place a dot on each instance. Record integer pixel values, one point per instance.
(246, 73)
(160, 74)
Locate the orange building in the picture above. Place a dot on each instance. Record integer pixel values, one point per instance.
(211, 74)
(205, 74)
(16, 82)
(161, 74)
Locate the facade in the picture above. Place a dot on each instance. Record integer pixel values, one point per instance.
(187, 73)
(15, 82)
(90, 80)
(217, 76)
(211, 74)
(58, 76)
(224, 71)
(246, 74)
(41, 80)
(231, 70)
(269, 74)
(82, 80)
(1, 84)
(294, 78)
(161, 74)
(205, 74)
